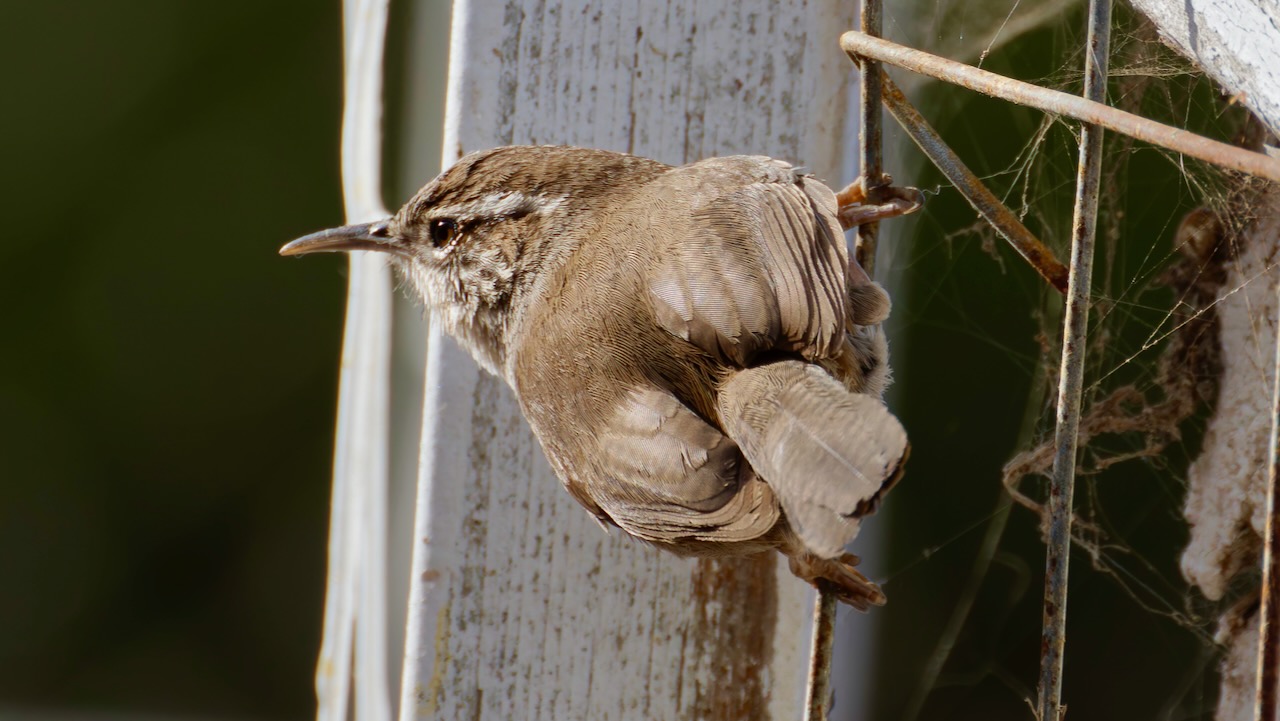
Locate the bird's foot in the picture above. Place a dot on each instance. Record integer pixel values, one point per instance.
(838, 576)
(859, 204)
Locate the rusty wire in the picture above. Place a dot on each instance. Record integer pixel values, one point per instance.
(1071, 379)
(1268, 671)
(867, 50)
(818, 688)
(870, 163)
(818, 691)
(860, 45)
(984, 201)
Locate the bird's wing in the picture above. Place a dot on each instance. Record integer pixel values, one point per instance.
(663, 474)
(763, 264)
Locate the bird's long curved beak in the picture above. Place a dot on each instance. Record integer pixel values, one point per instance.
(365, 236)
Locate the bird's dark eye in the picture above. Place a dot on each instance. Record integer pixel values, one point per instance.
(443, 231)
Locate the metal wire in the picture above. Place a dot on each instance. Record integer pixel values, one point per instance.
(1071, 379)
(870, 163)
(983, 200)
(1268, 671)
(868, 50)
(861, 45)
(818, 689)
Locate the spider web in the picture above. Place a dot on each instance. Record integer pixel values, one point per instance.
(1165, 259)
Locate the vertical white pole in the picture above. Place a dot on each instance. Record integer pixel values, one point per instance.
(520, 606)
(357, 548)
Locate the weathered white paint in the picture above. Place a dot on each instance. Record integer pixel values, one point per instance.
(1239, 682)
(1237, 42)
(522, 607)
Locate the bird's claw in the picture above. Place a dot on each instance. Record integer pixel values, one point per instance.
(838, 576)
(858, 204)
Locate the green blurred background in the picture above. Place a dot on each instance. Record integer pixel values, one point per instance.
(167, 383)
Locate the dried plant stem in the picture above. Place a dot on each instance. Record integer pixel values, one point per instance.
(1071, 379)
(859, 45)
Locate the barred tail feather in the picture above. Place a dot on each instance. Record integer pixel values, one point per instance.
(829, 454)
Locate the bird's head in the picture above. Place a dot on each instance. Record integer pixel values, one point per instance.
(479, 235)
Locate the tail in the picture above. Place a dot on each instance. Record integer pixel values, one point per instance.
(829, 454)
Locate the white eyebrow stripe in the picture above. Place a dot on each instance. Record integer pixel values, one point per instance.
(500, 205)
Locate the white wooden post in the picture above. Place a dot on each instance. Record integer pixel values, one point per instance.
(1234, 41)
(521, 607)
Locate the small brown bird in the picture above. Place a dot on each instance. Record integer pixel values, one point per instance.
(693, 347)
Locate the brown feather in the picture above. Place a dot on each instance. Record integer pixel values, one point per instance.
(692, 346)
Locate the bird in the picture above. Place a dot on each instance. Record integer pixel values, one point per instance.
(694, 348)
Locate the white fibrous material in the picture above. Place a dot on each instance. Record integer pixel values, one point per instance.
(1239, 640)
(1226, 493)
(1226, 484)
